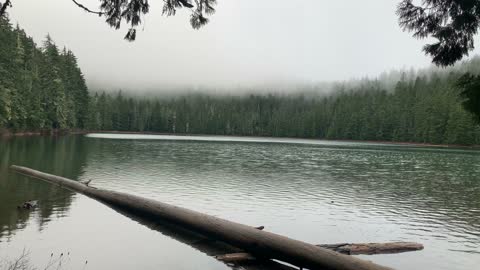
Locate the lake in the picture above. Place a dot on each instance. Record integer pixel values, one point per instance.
(312, 190)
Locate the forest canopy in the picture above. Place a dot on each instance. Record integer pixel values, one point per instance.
(423, 109)
(42, 88)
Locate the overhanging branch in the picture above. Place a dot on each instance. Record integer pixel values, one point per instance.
(99, 13)
(3, 7)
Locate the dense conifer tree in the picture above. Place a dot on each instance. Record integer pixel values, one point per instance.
(424, 109)
(40, 88)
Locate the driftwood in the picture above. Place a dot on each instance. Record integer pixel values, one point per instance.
(256, 242)
(373, 248)
(344, 248)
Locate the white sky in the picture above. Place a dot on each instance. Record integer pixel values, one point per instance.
(247, 42)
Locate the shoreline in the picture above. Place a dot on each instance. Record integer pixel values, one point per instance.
(9, 134)
(53, 132)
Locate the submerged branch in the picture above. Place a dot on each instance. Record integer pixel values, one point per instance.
(344, 248)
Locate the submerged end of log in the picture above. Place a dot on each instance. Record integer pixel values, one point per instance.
(235, 257)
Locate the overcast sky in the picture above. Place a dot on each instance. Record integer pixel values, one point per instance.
(247, 42)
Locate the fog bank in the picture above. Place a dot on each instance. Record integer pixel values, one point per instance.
(247, 44)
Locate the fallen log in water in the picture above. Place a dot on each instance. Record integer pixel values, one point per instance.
(208, 246)
(256, 242)
(344, 248)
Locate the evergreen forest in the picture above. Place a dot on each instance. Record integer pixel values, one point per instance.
(42, 89)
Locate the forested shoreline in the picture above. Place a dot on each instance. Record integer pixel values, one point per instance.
(43, 89)
(40, 88)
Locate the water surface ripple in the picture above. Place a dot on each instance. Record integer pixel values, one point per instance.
(316, 191)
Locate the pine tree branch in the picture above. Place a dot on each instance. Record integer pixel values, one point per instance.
(3, 7)
(99, 13)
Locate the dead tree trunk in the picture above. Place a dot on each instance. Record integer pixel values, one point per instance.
(256, 242)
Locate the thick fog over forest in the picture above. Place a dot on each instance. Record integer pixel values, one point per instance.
(247, 43)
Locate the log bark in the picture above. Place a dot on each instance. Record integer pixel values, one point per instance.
(259, 243)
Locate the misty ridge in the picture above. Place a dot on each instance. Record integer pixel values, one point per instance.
(288, 88)
(422, 106)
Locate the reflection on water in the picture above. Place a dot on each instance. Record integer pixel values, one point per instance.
(316, 191)
(62, 156)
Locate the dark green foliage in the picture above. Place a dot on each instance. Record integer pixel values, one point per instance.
(40, 88)
(131, 12)
(422, 109)
(3, 7)
(470, 87)
(45, 89)
(453, 23)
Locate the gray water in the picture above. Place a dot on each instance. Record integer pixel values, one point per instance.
(311, 190)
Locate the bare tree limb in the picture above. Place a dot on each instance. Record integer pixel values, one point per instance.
(99, 13)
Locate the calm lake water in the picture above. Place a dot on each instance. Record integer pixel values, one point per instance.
(315, 191)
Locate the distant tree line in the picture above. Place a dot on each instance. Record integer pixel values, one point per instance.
(40, 88)
(423, 109)
(44, 89)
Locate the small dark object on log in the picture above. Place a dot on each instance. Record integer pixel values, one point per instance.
(87, 183)
(260, 228)
(28, 205)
